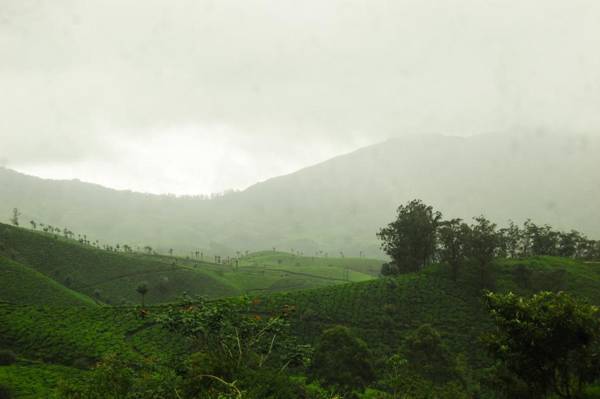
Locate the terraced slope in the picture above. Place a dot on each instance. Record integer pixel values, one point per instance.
(60, 343)
(64, 335)
(112, 278)
(270, 271)
(20, 284)
(383, 311)
(108, 277)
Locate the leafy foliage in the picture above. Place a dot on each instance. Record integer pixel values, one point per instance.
(232, 343)
(343, 361)
(550, 342)
(452, 236)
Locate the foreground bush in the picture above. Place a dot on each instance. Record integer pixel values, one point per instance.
(549, 343)
(342, 361)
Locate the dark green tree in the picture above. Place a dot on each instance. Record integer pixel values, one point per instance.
(389, 269)
(142, 289)
(14, 219)
(452, 237)
(511, 240)
(427, 354)
(549, 342)
(570, 243)
(543, 240)
(342, 361)
(410, 240)
(481, 245)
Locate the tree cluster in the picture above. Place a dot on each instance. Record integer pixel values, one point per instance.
(420, 236)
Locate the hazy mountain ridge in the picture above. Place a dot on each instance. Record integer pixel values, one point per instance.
(339, 204)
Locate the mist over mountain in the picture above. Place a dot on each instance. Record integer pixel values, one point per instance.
(338, 205)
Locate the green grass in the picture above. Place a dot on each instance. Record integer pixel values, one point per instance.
(21, 285)
(36, 380)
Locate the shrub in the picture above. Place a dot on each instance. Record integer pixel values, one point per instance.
(7, 357)
(342, 360)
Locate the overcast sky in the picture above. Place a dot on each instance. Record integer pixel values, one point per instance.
(199, 96)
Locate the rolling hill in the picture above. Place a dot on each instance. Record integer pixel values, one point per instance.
(381, 311)
(108, 277)
(338, 205)
(64, 268)
(20, 284)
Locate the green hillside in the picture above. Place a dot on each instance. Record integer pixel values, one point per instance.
(270, 271)
(66, 335)
(21, 285)
(55, 344)
(112, 277)
(109, 277)
(34, 380)
(359, 269)
(383, 311)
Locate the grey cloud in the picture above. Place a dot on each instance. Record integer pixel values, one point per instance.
(312, 71)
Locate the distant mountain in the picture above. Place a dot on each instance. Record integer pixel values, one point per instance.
(338, 205)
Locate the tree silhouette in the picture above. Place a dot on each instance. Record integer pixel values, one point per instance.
(142, 289)
(14, 219)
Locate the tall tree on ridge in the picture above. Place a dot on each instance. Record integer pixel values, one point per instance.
(410, 240)
(14, 219)
(482, 244)
(452, 236)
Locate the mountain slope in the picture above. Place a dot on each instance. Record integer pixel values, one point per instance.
(20, 284)
(338, 205)
(112, 277)
(109, 277)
